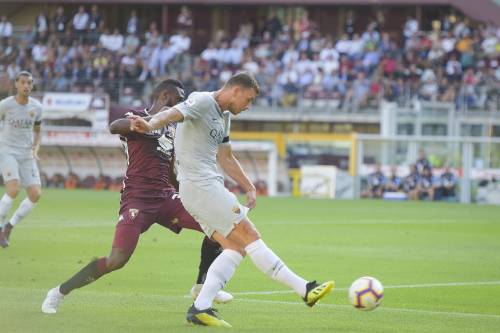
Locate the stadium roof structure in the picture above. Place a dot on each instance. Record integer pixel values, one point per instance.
(482, 10)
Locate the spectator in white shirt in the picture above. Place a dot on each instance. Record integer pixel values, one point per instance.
(210, 53)
(223, 53)
(167, 54)
(448, 43)
(327, 51)
(330, 64)
(235, 54)
(250, 65)
(41, 23)
(39, 53)
(133, 23)
(112, 42)
(290, 55)
(5, 30)
(411, 27)
(489, 44)
(80, 21)
(303, 64)
(343, 45)
(357, 47)
(181, 42)
(185, 18)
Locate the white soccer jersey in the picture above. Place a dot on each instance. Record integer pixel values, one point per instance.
(16, 137)
(198, 137)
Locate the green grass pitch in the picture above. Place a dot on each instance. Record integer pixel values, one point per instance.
(440, 264)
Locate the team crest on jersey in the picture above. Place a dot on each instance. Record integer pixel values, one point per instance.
(190, 102)
(236, 210)
(32, 114)
(132, 212)
(175, 220)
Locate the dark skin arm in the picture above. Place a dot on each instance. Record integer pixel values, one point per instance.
(122, 126)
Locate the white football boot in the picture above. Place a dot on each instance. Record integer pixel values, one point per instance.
(221, 297)
(52, 301)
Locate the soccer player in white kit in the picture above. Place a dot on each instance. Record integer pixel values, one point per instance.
(202, 140)
(19, 145)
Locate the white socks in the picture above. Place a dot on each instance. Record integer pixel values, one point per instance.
(221, 271)
(24, 208)
(270, 264)
(5, 206)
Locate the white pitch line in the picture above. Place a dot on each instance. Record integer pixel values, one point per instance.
(382, 308)
(249, 300)
(405, 286)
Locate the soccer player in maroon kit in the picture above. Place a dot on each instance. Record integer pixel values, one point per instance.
(148, 197)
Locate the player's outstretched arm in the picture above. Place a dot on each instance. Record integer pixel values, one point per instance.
(233, 169)
(122, 126)
(36, 141)
(159, 120)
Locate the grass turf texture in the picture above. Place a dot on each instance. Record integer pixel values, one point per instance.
(400, 243)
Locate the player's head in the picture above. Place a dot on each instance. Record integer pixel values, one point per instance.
(242, 90)
(24, 83)
(168, 93)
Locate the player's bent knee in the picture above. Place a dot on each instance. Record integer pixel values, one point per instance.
(12, 188)
(228, 244)
(113, 264)
(35, 195)
(244, 233)
(117, 259)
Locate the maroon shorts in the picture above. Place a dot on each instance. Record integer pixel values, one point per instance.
(137, 215)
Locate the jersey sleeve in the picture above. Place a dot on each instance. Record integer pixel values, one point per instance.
(192, 108)
(38, 116)
(132, 135)
(3, 109)
(227, 127)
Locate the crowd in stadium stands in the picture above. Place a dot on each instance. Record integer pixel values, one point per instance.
(419, 184)
(456, 61)
(103, 182)
(73, 181)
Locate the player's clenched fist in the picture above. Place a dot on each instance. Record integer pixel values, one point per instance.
(140, 125)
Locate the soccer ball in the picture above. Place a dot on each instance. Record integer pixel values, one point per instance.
(366, 293)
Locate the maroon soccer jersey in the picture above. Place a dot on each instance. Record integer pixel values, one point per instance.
(149, 159)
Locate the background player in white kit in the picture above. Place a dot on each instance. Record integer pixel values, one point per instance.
(202, 140)
(19, 144)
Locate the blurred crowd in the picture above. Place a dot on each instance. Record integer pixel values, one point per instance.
(104, 182)
(420, 184)
(73, 181)
(456, 61)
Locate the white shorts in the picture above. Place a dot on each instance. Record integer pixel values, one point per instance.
(23, 169)
(212, 206)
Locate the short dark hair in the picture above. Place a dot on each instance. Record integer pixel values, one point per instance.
(23, 73)
(165, 85)
(243, 79)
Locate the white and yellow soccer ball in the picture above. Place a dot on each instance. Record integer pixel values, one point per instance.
(366, 293)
